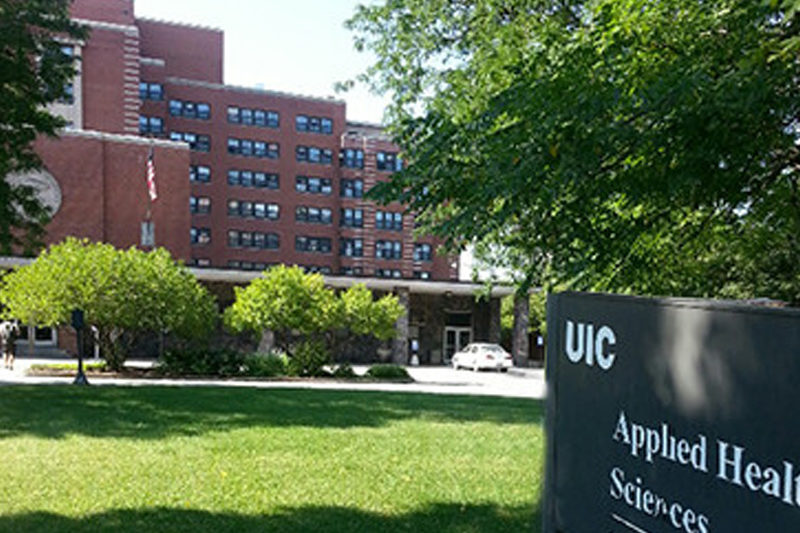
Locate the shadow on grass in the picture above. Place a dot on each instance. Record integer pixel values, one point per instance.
(156, 412)
(439, 518)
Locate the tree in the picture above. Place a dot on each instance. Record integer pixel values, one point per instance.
(618, 145)
(122, 293)
(298, 307)
(34, 72)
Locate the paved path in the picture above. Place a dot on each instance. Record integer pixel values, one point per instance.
(518, 383)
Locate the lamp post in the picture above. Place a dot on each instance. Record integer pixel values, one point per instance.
(77, 323)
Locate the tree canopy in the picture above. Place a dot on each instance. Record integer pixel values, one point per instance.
(34, 72)
(295, 305)
(120, 291)
(618, 145)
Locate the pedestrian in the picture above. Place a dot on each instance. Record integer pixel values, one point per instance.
(9, 333)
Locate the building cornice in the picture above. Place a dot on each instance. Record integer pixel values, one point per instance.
(250, 90)
(122, 138)
(110, 26)
(179, 24)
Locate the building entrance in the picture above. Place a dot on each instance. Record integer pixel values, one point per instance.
(455, 338)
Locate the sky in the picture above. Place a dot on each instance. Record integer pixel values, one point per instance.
(295, 46)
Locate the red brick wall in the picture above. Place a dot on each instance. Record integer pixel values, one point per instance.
(110, 81)
(190, 52)
(104, 194)
(113, 11)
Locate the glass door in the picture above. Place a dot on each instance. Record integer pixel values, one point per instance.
(455, 338)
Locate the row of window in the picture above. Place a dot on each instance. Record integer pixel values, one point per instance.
(248, 178)
(259, 210)
(152, 125)
(253, 239)
(313, 215)
(313, 154)
(313, 124)
(388, 161)
(197, 141)
(199, 205)
(254, 117)
(187, 109)
(251, 148)
(350, 188)
(151, 91)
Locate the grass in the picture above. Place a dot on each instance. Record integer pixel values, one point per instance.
(240, 460)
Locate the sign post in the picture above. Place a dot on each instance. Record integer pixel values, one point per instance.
(77, 323)
(671, 416)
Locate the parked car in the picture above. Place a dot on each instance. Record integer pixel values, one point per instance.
(482, 355)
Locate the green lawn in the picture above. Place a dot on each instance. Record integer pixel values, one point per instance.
(155, 459)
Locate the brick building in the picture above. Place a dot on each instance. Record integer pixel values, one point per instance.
(246, 178)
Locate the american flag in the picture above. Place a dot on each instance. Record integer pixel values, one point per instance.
(151, 176)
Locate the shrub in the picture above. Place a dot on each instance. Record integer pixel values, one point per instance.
(344, 371)
(206, 362)
(309, 359)
(265, 365)
(388, 372)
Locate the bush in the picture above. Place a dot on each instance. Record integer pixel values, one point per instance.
(344, 371)
(388, 372)
(202, 362)
(309, 358)
(265, 365)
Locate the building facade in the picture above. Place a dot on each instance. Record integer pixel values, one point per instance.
(245, 178)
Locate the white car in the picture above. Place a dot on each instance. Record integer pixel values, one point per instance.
(478, 355)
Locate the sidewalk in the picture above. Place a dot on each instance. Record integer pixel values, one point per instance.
(517, 383)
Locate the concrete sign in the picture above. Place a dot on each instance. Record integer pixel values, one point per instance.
(671, 416)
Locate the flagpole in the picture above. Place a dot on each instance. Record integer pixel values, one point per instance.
(150, 182)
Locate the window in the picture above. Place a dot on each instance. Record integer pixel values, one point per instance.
(423, 252)
(320, 245)
(249, 178)
(388, 273)
(351, 218)
(247, 209)
(199, 174)
(316, 269)
(388, 161)
(313, 185)
(197, 142)
(68, 97)
(200, 236)
(199, 205)
(153, 125)
(351, 247)
(313, 124)
(250, 148)
(251, 239)
(253, 117)
(421, 274)
(388, 221)
(201, 262)
(388, 250)
(351, 188)
(351, 271)
(187, 109)
(351, 158)
(151, 91)
(315, 215)
(312, 154)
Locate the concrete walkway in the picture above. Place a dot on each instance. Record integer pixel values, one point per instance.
(517, 383)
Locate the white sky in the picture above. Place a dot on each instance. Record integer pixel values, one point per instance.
(296, 46)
